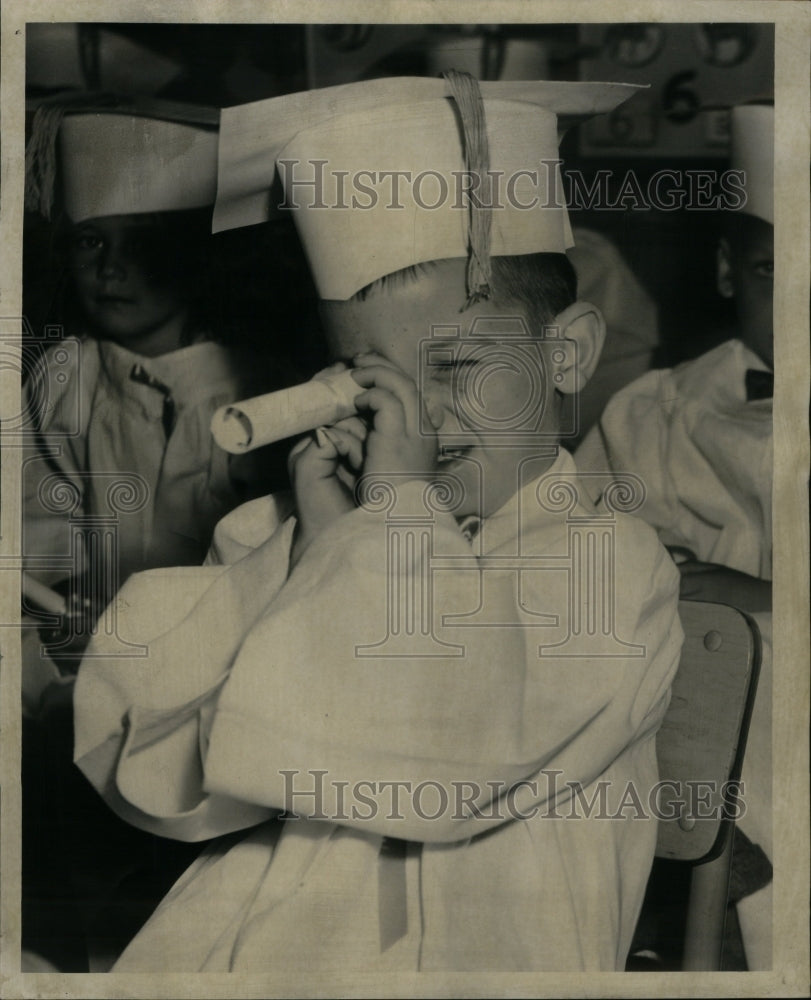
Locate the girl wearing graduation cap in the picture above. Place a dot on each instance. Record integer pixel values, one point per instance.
(124, 425)
(123, 475)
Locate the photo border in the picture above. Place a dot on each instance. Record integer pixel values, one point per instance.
(790, 975)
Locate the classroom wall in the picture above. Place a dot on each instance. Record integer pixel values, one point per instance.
(692, 69)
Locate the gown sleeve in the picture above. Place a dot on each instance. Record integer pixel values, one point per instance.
(141, 723)
(634, 435)
(270, 684)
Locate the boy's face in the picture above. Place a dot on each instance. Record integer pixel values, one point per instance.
(746, 273)
(122, 271)
(476, 385)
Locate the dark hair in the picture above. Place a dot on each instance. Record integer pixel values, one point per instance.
(543, 283)
(405, 276)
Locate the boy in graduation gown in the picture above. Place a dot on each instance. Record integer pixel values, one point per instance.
(700, 436)
(455, 704)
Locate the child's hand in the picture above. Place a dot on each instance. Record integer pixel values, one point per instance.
(702, 581)
(323, 469)
(397, 442)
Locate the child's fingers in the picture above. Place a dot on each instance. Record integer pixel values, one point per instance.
(387, 377)
(396, 384)
(389, 412)
(369, 358)
(347, 445)
(352, 432)
(372, 368)
(354, 425)
(314, 455)
(314, 440)
(372, 360)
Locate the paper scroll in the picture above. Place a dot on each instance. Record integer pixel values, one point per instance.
(241, 427)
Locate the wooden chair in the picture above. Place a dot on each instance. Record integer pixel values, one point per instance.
(700, 748)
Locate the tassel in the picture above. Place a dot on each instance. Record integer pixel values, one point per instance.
(467, 94)
(40, 153)
(40, 159)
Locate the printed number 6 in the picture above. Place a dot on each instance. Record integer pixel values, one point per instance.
(680, 103)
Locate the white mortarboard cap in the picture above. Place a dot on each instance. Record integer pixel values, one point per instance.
(160, 157)
(364, 132)
(752, 128)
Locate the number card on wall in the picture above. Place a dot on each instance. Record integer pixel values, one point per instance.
(695, 72)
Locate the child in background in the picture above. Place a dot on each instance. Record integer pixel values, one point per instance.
(122, 433)
(275, 662)
(700, 436)
(134, 407)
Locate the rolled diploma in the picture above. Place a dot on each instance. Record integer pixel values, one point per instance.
(241, 427)
(44, 597)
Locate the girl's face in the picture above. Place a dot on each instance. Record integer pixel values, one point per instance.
(128, 282)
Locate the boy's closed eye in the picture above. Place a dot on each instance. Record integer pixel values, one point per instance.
(446, 369)
(442, 364)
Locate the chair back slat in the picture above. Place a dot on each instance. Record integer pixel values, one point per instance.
(703, 735)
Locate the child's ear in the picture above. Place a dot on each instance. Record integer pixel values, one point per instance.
(723, 270)
(583, 323)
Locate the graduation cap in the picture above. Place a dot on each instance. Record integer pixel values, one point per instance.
(119, 158)
(752, 130)
(389, 173)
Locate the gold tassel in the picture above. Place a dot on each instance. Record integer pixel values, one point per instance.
(467, 94)
(41, 153)
(40, 159)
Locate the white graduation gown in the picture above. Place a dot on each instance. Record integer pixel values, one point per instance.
(252, 672)
(100, 423)
(704, 453)
(103, 451)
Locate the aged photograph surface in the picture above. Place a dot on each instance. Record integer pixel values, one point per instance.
(390, 468)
